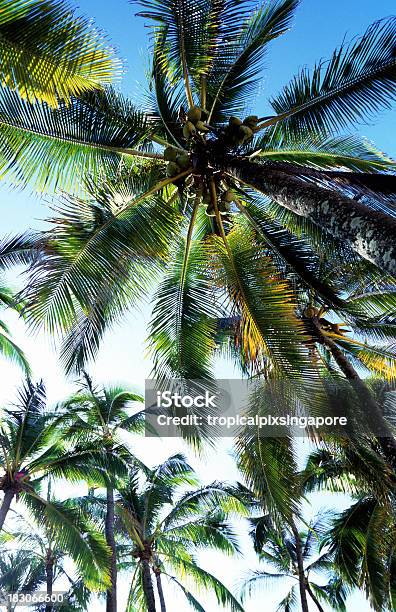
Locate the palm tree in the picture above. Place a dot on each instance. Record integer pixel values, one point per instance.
(39, 555)
(31, 450)
(101, 416)
(361, 539)
(20, 571)
(100, 256)
(280, 549)
(162, 526)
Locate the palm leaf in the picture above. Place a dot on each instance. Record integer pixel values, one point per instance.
(349, 152)
(48, 53)
(357, 82)
(182, 326)
(97, 261)
(234, 74)
(9, 350)
(73, 532)
(204, 581)
(268, 326)
(59, 148)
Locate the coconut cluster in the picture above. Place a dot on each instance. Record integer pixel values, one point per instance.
(177, 161)
(239, 132)
(195, 122)
(225, 198)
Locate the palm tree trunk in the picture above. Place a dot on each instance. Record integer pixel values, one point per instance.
(374, 413)
(160, 591)
(314, 598)
(371, 233)
(49, 572)
(148, 586)
(5, 506)
(300, 565)
(111, 595)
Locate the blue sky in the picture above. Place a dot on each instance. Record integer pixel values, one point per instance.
(318, 28)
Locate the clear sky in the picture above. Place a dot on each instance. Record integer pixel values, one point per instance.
(318, 28)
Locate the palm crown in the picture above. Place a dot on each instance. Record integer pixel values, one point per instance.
(236, 207)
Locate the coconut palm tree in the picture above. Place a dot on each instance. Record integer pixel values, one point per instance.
(39, 554)
(280, 550)
(100, 256)
(361, 539)
(162, 524)
(20, 572)
(31, 450)
(102, 416)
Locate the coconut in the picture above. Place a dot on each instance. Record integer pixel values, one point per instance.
(183, 161)
(194, 114)
(245, 133)
(234, 122)
(228, 196)
(201, 127)
(251, 120)
(210, 211)
(172, 169)
(224, 207)
(170, 154)
(188, 130)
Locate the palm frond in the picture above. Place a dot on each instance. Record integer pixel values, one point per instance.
(235, 70)
(349, 152)
(183, 319)
(12, 352)
(269, 329)
(73, 532)
(358, 81)
(48, 53)
(17, 250)
(205, 581)
(95, 264)
(60, 148)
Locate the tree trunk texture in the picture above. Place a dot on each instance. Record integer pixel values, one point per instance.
(370, 233)
(160, 591)
(300, 565)
(5, 506)
(111, 595)
(374, 413)
(148, 586)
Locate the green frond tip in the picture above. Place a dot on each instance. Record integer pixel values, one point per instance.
(357, 82)
(48, 53)
(10, 351)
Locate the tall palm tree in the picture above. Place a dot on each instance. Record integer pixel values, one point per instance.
(361, 539)
(162, 526)
(31, 450)
(38, 554)
(102, 416)
(100, 256)
(20, 571)
(279, 549)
